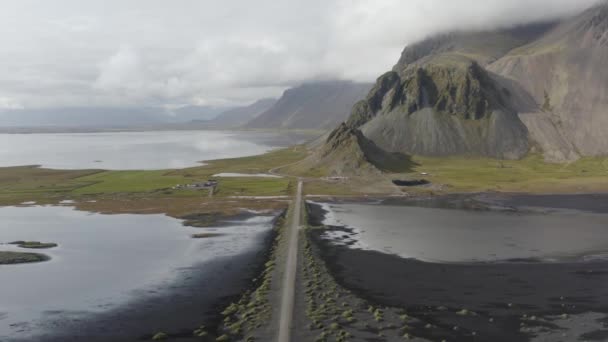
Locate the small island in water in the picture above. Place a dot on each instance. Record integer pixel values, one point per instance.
(34, 244)
(10, 258)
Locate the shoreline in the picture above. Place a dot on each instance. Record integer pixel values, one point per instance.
(524, 202)
(503, 293)
(197, 297)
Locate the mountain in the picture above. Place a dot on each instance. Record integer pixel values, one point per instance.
(319, 105)
(565, 73)
(239, 116)
(81, 117)
(104, 117)
(190, 113)
(347, 151)
(540, 87)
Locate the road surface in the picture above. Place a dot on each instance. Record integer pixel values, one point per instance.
(289, 281)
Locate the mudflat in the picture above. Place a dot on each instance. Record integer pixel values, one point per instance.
(518, 300)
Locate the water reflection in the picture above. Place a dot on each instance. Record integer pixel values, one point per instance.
(134, 150)
(102, 260)
(444, 235)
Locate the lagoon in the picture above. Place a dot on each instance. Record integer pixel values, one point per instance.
(450, 235)
(135, 150)
(104, 262)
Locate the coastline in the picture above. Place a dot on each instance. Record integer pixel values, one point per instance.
(502, 296)
(197, 297)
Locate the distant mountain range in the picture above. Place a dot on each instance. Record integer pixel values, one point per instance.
(105, 117)
(315, 105)
(240, 116)
(539, 88)
(318, 105)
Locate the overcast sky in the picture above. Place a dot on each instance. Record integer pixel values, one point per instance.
(175, 52)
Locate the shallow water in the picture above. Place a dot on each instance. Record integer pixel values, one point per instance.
(102, 261)
(447, 235)
(134, 150)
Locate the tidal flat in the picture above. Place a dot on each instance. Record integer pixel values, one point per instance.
(533, 287)
(138, 274)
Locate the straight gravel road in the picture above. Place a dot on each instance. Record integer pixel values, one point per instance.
(289, 281)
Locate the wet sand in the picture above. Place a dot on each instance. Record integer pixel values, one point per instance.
(594, 203)
(194, 295)
(197, 297)
(502, 295)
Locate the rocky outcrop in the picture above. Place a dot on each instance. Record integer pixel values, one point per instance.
(347, 152)
(441, 109)
(565, 72)
(539, 88)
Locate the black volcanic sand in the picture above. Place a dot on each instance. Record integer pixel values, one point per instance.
(595, 203)
(499, 294)
(197, 297)
(219, 220)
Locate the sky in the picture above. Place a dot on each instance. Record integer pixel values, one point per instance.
(171, 53)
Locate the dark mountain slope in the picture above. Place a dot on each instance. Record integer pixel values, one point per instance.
(347, 152)
(439, 100)
(565, 72)
(483, 46)
(239, 116)
(538, 87)
(320, 105)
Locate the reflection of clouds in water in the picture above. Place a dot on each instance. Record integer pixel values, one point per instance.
(219, 144)
(130, 150)
(462, 236)
(147, 252)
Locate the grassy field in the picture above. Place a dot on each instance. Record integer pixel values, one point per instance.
(531, 174)
(151, 191)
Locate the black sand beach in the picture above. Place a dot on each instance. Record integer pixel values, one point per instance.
(197, 297)
(494, 300)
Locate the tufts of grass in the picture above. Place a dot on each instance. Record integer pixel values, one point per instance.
(160, 336)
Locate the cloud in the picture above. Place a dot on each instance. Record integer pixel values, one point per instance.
(154, 52)
(9, 103)
(122, 71)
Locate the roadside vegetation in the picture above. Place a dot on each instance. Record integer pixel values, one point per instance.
(337, 314)
(243, 319)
